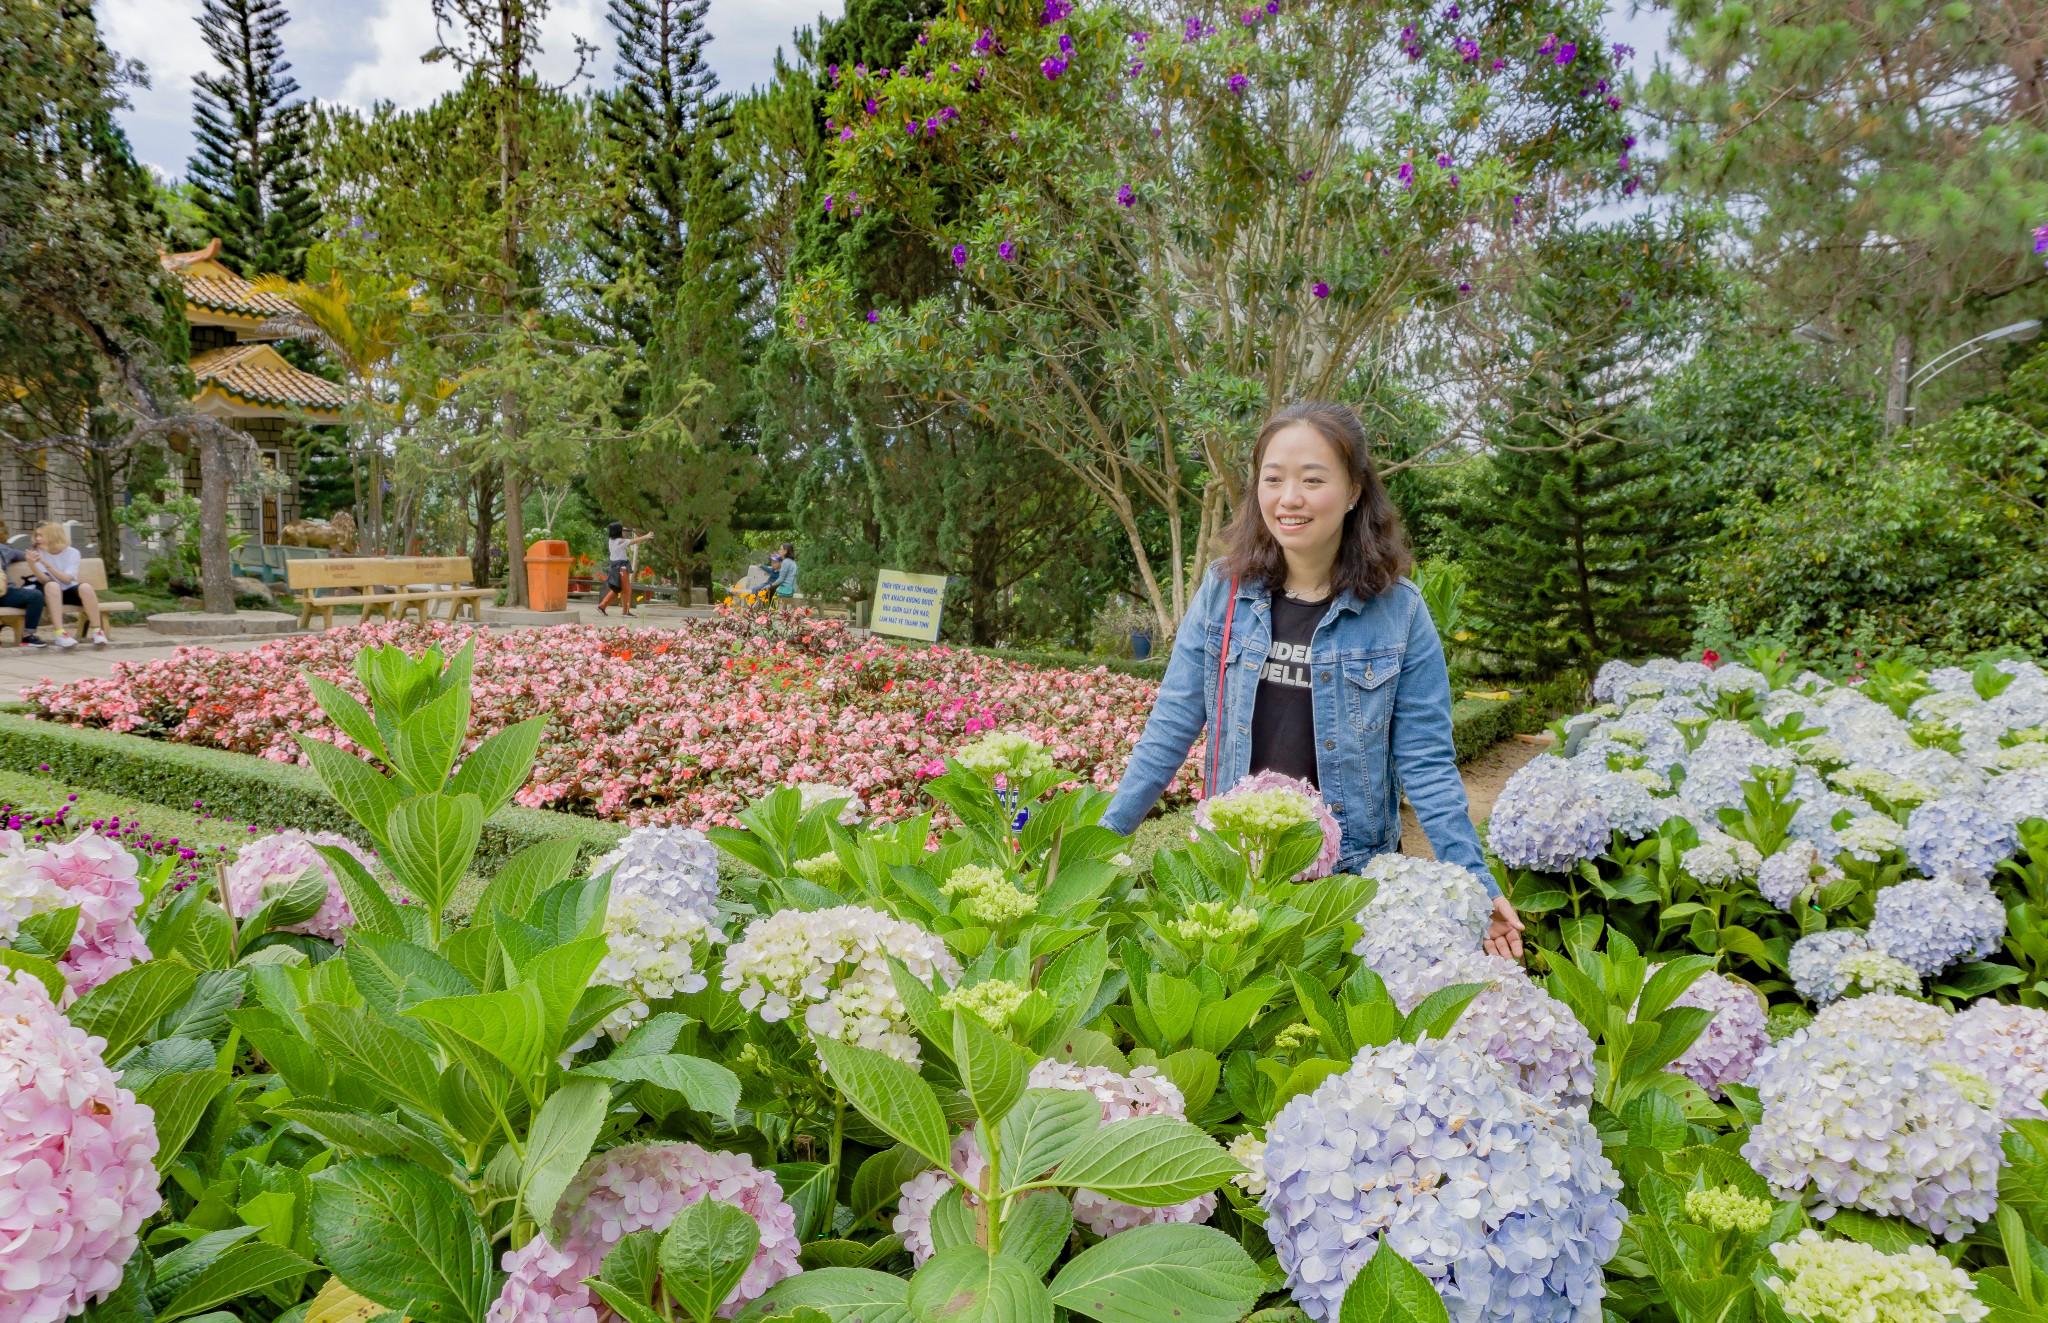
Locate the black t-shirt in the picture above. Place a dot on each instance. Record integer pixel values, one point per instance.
(1284, 714)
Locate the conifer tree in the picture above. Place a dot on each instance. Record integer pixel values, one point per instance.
(253, 169)
(1574, 537)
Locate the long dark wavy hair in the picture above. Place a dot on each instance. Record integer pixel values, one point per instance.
(1373, 552)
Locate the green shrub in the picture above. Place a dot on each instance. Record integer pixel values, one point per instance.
(248, 789)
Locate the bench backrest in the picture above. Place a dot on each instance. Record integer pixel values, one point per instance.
(371, 571)
(93, 570)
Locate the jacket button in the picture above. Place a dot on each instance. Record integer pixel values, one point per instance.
(1326, 677)
(1329, 744)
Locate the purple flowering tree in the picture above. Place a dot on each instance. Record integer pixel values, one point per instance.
(1177, 219)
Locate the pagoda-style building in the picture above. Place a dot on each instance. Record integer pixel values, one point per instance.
(242, 380)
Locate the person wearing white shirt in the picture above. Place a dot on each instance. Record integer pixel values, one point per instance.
(53, 563)
(618, 579)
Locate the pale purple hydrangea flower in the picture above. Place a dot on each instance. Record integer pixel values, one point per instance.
(1727, 1048)
(1960, 836)
(641, 1187)
(2017, 796)
(1814, 964)
(2008, 1046)
(1443, 889)
(1544, 820)
(1869, 1121)
(1931, 923)
(1514, 1022)
(1402, 943)
(1508, 1206)
(77, 1176)
(273, 861)
(1786, 875)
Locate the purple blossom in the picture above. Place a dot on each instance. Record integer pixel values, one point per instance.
(1629, 141)
(1614, 103)
(924, 39)
(1407, 174)
(1139, 39)
(1469, 50)
(949, 114)
(1443, 161)
(1549, 44)
(984, 43)
(1452, 13)
(1066, 43)
(1629, 185)
(1411, 43)
(1250, 18)
(1238, 83)
(1007, 251)
(1321, 289)
(870, 106)
(1194, 30)
(1498, 65)
(1464, 287)
(1052, 66)
(1600, 86)
(1055, 11)
(1567, 52)
(1454, 181)
(1137, 67)
(1305, 175)
(828, 202)
(833, 69)
(1624, 51)
(874, 315)
(911, 128)
(1272, 6)
(2041, 241)
(1126, 197)
(959, 254)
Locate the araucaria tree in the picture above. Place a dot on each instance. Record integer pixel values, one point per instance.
(252, 172)
(1166, 221)
(1573, 536)
(672, 248)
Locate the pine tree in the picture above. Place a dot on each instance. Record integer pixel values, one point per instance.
(1574, 537)
(253, 171)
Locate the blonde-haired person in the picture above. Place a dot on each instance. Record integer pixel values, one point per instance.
(53, 562)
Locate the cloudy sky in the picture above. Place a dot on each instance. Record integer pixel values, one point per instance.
(362, 51)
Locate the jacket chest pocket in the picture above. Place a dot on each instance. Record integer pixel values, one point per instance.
(1369, 689)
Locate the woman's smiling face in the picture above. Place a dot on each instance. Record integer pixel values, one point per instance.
(1304, 492)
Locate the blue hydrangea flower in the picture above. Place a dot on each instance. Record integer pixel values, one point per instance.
(1930, 923)
(1816, 959)
(2017, 796)
(1544, 820)
(1960, 836)
(1509, 1207)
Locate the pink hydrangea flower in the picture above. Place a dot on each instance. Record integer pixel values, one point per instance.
(273, 861)
(1727, 1048)
(641, 1187)
(1258, 782)
(76, 1171)
(98, 876)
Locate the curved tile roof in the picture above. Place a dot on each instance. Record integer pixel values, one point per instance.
(257, 374)
(211, 285)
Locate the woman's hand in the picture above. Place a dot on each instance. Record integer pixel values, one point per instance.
(1504, 934)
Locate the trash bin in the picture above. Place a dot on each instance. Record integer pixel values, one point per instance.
(547, 576)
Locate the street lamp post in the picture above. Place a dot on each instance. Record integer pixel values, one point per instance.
(1813, 333)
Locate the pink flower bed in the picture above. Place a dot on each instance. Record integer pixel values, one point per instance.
(682, 726)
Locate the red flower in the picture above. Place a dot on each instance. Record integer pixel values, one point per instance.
(1710, 657)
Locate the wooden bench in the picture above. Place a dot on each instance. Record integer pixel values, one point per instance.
(91, 570)
(387, 586)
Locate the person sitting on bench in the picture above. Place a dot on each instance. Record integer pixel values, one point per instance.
(18, 593)
(53, 563)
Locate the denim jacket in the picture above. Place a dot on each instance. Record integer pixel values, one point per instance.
(1382, 697)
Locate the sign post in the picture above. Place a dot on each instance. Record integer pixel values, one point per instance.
(908, 605)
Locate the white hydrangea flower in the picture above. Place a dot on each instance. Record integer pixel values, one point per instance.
(676, 865)
(1406, 882)
(1250, 1150)
(1958, 836)
(1545, 820)
(1870, 837)
(833, 965)
(1786, 875)
(1931, 923)
(814, 793)
(1863, 1120)
(1896, 1019)
(1944, 705)
(1509, 1207)
(1401, 943)
(1514, 1022)
(1858, 779)
(2017, 796)
(1846, 1281)
(1821, 751)
(1862, 972)
(2008, 1047)
(1721, 860)
(2020, 758)
(655, 949)
(1815, 963)
(1735, 678)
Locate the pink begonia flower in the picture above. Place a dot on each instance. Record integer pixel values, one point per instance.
(98, 876)
(680, 727)
(1143, 1092)
(641, 1187)
(1333, 835)
(273, 861)
(77, 1176)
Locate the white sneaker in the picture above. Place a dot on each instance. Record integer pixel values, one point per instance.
(99, 638)
(65, 641)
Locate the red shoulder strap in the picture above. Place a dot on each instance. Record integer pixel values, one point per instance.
(1222, 678)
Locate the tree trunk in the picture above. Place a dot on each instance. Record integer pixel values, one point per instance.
(1898, 395)
(515, 538)
(486, 491)
(102, 475)
(214, 576)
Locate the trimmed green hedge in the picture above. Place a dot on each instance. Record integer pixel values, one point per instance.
(247, 788)
(1477, 724)
(1152, 668)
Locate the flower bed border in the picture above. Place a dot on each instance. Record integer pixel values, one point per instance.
(246, 788)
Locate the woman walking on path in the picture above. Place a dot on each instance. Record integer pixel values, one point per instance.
(618, 579)
(1307, 651)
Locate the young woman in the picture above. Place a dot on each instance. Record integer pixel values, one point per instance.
(1334, 673)
(618, 578)
(53, 563)
(784, 565)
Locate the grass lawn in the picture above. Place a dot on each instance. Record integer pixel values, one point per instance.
(23, 792)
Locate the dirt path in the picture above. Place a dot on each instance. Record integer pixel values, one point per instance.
(1484, 777)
